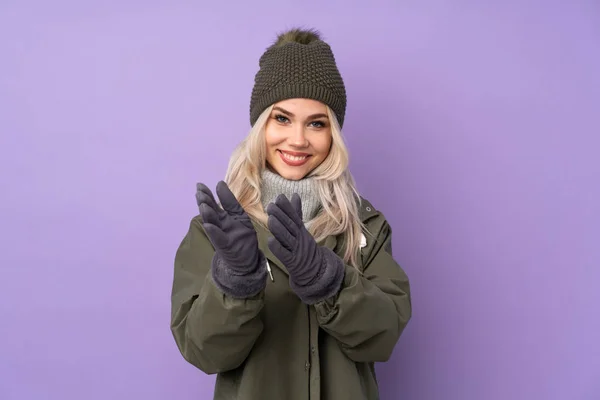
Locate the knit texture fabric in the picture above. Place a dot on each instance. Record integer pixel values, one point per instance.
(296, 70)
(273, 185)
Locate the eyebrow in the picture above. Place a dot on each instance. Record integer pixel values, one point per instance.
(290, 114)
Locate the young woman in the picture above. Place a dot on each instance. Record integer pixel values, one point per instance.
(286, 288)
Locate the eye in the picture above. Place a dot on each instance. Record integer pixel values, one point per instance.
(317, 124)
(281, 118)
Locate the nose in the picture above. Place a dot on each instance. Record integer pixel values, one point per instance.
(298, 137)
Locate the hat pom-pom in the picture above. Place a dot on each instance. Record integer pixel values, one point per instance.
(298, 35)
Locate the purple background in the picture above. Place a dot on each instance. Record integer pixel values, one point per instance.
(474, 126)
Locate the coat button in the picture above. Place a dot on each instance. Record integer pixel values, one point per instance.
(307, 366)
(312, 349)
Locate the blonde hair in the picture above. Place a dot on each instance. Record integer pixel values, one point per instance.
(336, 187)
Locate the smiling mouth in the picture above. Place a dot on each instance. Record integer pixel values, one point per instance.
(294, 159)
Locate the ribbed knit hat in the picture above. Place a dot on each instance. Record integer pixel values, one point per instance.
(298, 65)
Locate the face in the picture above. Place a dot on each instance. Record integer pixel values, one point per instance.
(298, 137)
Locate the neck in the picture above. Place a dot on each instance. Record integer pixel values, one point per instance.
(273, 185)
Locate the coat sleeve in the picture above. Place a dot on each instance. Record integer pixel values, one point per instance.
(213, 331)
(369, 313)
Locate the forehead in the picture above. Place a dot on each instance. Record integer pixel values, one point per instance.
(302, 106)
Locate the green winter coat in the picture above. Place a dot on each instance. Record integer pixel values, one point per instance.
(274, 347)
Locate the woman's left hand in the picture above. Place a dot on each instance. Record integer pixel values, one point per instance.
(315, 272)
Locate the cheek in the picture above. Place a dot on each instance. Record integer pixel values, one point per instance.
(322, 146)
(272, 137)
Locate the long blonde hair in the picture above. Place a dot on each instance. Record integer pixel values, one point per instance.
(335, 186)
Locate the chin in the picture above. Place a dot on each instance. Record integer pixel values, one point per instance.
(291, 174)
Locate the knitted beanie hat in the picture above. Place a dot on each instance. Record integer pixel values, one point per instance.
(298, 65)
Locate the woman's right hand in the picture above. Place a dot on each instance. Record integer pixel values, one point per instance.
(229, 228)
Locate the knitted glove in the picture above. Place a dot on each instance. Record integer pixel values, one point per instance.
(238, 266)
(316, 273)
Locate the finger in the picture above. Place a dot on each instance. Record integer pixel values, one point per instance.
(275, 211)
(281, 233)
(297, 204)
(204, 195)
(228, 200)
(279, 251)
(219, 239)
(204, 199)
(287, 208)
(201, 187)
(209, 215)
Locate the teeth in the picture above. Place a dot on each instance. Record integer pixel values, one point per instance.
(293, 158)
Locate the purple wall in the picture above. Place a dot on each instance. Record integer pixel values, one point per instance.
(482, 120)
